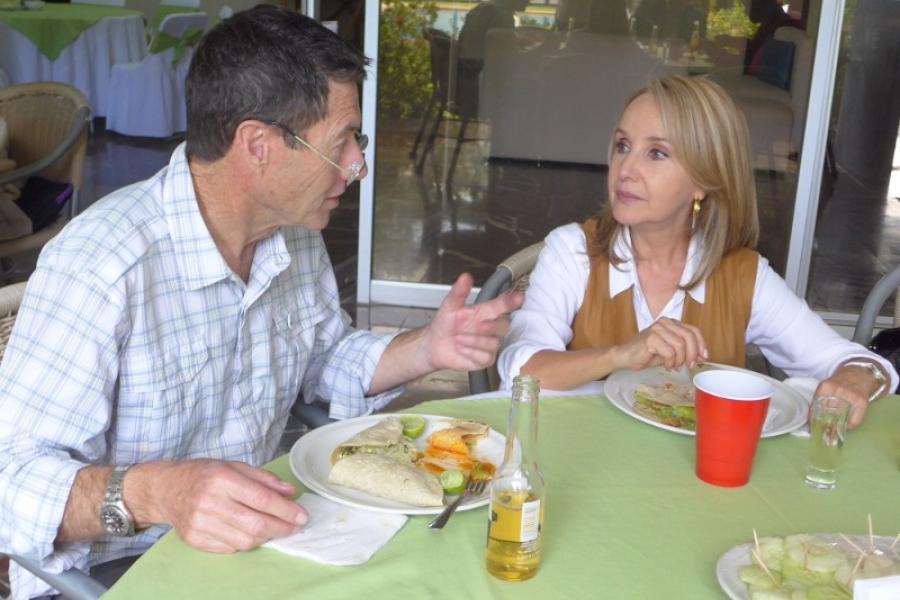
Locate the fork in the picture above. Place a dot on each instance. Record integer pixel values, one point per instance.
(474, 487)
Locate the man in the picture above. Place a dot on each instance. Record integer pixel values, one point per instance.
(168, 329)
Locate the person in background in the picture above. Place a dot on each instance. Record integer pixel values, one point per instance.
(167, 330)
(491, 14)
(667, 274)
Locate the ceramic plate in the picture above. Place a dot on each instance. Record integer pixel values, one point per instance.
(787, 409)
(310, 460)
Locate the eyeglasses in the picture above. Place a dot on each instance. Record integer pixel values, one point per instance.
(350, 173)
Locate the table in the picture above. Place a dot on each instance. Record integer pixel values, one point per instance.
(625, 518)
(75, 44)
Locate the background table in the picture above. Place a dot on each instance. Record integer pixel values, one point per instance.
(625, 517)
(75, 44)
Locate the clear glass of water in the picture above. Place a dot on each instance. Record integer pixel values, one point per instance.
(827, 427)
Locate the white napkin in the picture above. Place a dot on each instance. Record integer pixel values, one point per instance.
(880, 588)
(807, 388)
(338, 535)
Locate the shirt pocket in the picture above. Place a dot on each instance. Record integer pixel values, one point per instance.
(292, 350)
(161, 397)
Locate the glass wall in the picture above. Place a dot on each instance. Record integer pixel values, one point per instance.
(858, 231)
(494, 118)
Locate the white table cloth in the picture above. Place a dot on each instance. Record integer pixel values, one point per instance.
(84, 64)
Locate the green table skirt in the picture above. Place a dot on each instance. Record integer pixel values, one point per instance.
(56, 26)
(625, 518)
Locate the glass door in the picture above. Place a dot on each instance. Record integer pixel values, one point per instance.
(492, 120)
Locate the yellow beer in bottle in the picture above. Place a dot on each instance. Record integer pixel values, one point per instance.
(516, 515)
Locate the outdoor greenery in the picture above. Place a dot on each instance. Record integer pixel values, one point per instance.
(404, 76)
(731, 21)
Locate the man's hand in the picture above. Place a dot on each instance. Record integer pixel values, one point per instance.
(214, 505)
(463, 337)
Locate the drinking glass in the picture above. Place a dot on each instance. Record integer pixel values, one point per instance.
(827, 426)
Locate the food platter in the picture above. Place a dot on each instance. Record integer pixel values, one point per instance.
(310, 461)
(787, 409)
(727, 568)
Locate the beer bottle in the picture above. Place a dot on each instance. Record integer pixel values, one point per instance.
(516, 513)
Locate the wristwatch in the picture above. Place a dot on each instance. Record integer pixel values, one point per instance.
(114, 515)
(876, 372)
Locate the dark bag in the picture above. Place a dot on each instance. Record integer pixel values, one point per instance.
(42, 200)
(886, 343)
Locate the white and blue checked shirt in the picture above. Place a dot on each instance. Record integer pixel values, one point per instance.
(136, 342)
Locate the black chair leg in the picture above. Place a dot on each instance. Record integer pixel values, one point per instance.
(429, 144)
(460, 136)
(425, 118)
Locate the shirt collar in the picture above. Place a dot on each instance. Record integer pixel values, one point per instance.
(199, 260)
(624, 275)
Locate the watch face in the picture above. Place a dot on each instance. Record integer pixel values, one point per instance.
(114, 521)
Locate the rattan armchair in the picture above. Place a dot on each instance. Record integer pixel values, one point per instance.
(513, 274)
(48, 131)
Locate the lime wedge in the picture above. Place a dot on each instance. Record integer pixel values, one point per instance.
(413, 426)
(453, 482)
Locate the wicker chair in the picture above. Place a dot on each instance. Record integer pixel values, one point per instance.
(511, 275)
(48, 131)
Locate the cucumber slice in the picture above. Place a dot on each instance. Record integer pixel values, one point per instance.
(754, 576)
(453, 482)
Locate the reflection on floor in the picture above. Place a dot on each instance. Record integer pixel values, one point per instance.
(429, 231)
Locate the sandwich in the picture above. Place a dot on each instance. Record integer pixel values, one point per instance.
(385, 477)
(670, 403)
(385, 438)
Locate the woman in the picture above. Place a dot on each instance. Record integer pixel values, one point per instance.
(666, 275)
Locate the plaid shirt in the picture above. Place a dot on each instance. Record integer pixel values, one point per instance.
(136, 342)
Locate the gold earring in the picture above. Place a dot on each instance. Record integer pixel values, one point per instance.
(695, 213)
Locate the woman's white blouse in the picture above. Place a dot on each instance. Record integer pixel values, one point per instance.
(791, 336)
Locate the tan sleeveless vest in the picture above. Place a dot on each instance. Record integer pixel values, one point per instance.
(723, 316)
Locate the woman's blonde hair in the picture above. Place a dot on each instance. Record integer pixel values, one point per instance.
(709, 139)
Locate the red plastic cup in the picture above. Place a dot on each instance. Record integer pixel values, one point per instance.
(731, 410)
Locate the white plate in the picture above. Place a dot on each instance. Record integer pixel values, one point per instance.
(787, 409)
(310, 460)
(739, 556)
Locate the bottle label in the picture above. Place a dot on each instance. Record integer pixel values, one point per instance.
(515, 523)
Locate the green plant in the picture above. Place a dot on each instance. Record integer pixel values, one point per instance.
(732, 22)
(404, 75)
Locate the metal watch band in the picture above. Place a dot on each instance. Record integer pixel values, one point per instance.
(876, 372)
(114, 515)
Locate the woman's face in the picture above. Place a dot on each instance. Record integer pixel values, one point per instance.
(648, 187)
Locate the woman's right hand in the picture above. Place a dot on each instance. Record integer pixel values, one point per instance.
(668, 343)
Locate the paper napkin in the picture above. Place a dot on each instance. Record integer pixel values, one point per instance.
(337, 534)
(881, 588)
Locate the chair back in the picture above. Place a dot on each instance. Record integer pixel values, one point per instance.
(185, 3)
(442, 53)
(882, 290)
(10, 299)
(512, 275)
(178, 24)
(120, 3)
(40, 117)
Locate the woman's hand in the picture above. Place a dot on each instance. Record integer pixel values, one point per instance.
(667, 343)
(854, 384)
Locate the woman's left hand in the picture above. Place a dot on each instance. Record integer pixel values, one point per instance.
(853, 384)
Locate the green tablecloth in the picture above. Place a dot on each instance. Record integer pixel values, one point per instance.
(56, 26)
(625, 518)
